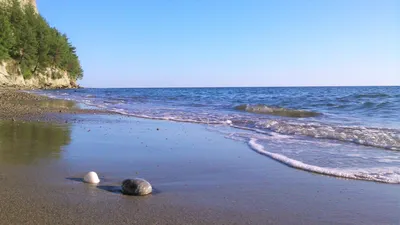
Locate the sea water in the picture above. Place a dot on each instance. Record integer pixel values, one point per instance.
(349, 132)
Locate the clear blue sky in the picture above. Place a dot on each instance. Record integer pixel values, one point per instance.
(172, 43)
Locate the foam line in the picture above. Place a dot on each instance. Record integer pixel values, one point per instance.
(356, 174)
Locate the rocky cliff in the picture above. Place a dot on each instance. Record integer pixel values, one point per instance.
(25, 2)
(32, 2)
(10, 76)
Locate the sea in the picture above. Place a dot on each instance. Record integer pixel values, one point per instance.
(346, 132)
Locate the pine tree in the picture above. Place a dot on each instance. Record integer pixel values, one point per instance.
(27, 38)
(7, 39)
(29, 44)
(43, 39)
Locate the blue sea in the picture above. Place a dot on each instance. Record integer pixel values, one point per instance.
(348, 132)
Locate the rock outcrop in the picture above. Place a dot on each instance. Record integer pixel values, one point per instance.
(10, 76)
(25, 2)
(32, 2)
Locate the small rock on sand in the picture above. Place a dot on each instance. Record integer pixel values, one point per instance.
(91, 178)
(136, 186)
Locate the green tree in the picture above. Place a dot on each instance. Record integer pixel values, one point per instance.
(7, 40)
(27, 38)
(43, 40)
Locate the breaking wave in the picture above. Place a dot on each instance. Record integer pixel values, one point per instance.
(375, 137)
(379, 174)
(277, 111)
(371, 95)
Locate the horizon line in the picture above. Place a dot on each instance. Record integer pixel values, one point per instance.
(305, 86)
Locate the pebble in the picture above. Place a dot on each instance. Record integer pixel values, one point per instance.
(137, 186)
(91, 178)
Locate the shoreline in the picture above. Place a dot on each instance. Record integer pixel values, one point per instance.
(200, 177)
(16, 105)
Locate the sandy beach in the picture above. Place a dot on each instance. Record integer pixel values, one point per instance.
(199, 176)
(199, 112)
(20, 105)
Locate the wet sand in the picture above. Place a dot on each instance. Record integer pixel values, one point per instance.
(199, 177)
(18, 105)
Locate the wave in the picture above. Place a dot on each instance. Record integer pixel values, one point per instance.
(368, 104)
(371, 95)
(138, 99)
(277, 111)
(384, 175)
(354, 97)
(375, 137)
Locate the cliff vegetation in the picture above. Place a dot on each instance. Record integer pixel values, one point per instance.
(32, 49)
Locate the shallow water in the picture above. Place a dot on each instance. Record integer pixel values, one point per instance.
(24, 143)
(199, 176)
(351, 132)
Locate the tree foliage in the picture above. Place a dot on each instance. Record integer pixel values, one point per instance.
(27, 38)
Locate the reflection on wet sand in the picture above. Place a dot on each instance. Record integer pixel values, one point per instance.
(25, 143)
(58, 104)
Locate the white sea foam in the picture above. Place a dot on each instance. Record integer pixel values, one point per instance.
(380, 174)
(376, 137)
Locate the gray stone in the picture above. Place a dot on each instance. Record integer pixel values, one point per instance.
(136, 186)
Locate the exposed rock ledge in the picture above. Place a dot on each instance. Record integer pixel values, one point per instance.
(24, 2)
(41, 81)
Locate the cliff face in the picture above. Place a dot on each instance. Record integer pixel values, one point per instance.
(10, 76)
(25, 2)
(32, 2)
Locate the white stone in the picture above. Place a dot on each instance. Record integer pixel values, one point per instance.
(91, 178)
(229, 122)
